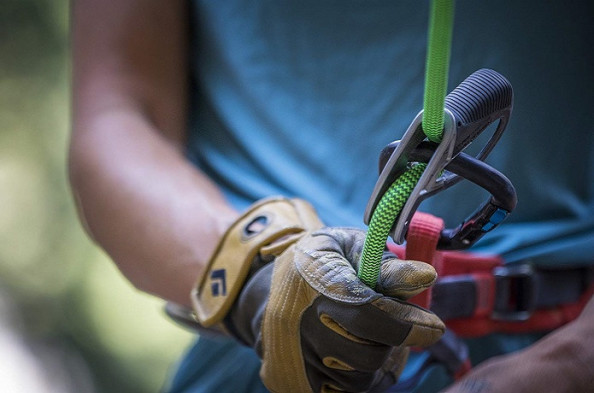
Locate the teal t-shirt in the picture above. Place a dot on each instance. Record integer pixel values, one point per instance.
(298, 98)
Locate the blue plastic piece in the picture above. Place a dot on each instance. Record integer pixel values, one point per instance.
(496, 219)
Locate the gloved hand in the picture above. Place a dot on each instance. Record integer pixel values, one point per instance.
(315, 325)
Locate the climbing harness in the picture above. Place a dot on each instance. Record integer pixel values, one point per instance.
(476, 295)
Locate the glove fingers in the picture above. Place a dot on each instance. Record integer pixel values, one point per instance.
(404, 279)
(385, 321)
(337, 358)
(342, 381)
(391, 370)
(426, 327)
(333, 376)
(377, 380)
(327, 340)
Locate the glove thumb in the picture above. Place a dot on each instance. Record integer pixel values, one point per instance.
(404, 279)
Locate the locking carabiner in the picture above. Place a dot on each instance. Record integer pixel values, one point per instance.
(488, 216)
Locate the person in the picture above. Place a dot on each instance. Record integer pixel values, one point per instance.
(185, 115)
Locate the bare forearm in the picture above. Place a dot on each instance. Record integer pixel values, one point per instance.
(157, 216)
(154, 214)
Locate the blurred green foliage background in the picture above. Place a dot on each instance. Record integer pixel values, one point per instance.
(77, 316)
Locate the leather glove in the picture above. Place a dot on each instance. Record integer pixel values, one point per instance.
(315, 325)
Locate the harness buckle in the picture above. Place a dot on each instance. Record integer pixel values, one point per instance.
(516, 290)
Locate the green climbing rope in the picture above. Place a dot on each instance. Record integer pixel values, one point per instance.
(436, 76)
(382, 220)
(437, 67)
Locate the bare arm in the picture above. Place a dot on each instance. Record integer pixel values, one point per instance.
(562, 361)
(156, 215)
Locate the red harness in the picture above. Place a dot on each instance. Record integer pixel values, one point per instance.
(484, 272)
(478, 294)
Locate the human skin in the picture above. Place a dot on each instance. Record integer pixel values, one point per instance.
(156, 215)
(562, 361)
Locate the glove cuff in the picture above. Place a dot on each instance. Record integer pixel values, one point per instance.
(264, 231)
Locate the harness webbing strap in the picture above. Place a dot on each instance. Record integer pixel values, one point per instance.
(477, 294)
(421, 245)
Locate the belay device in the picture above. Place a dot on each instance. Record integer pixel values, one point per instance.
(483, 98)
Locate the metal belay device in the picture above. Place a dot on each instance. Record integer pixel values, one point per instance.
(482, 99)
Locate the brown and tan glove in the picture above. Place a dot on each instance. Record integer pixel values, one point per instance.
(315, 325)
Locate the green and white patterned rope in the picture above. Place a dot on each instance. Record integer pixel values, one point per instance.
(437, 67)
(436, 76)
(381, 222)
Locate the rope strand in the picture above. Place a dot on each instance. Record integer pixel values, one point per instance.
(436, 78)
